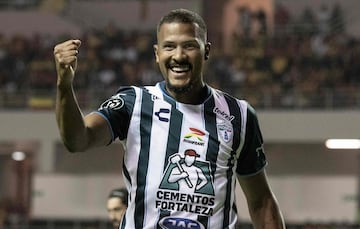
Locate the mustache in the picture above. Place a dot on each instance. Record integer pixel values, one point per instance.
(177, 63)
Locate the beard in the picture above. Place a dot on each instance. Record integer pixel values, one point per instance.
(116, 224)
(180, 89)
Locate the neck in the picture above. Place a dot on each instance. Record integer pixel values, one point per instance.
(194, 96)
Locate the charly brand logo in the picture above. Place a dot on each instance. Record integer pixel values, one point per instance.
(163, 114)
(114, 103)
(187, 185)
(179, 223)
(195, 136)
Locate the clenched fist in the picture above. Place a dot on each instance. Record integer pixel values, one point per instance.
(66, 61)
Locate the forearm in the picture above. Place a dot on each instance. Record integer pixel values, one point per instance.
(70, 120)
(267, 215)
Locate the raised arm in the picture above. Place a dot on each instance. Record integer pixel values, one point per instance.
(78, 133)
(263, 207)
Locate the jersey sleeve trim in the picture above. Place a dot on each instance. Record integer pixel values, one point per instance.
(256, 172)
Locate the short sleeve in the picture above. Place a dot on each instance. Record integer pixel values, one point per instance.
(252, 157)
(117, 111)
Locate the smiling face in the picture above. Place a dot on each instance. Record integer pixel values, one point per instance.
(180, 53)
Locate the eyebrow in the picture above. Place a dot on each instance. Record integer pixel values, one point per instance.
(182, 42)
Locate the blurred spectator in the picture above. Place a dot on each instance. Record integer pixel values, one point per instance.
(337, 23)
(116, 205)
(281, 19)
(323, 16)
(307, 24)
(16, 62)
(262, 22)
(107, 75)
(245, 17)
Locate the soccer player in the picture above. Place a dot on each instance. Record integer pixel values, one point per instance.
(160, 126)
(116, 205)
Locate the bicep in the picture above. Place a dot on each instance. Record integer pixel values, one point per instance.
(255, 187)
(98, 130)
(262, 204)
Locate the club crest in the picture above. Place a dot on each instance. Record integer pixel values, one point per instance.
(225, 131)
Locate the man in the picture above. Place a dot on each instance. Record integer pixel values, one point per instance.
(154, 123)
(116, 205)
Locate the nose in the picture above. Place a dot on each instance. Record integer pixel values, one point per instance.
(179, 54)
(112, 215)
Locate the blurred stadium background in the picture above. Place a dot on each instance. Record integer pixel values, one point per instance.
(297, 62)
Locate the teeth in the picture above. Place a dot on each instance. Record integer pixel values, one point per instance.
(180, 69)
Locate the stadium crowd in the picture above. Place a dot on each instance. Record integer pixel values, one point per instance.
(301, 65)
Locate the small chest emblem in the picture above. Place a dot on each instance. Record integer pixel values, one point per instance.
(225, 131)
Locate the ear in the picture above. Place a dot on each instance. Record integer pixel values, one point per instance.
(207, 50)
(156, 48)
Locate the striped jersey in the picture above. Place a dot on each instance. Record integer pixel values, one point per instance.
(181, 160)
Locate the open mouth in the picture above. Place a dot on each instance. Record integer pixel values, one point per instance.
(180, 68)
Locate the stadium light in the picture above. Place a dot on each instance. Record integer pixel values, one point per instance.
(18, 156)
(342, 143)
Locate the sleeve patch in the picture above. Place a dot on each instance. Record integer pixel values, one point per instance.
(114, 103)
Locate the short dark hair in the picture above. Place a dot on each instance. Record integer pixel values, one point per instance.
(121, 193)
(184, 16)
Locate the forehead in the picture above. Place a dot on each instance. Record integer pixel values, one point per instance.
(178, 30)
(114, 202)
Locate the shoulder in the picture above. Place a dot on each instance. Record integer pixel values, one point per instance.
(246, 110)
(126, 92)
(242, 103)
(123, 96)
(131, 94)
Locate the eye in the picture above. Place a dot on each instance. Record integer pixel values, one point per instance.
(190, 46)
(168, 47)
